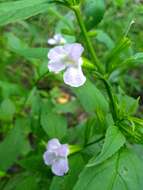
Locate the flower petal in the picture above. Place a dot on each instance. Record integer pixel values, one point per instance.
(53, 144)
(51, 41)
(60, 167)
(74, 77)
(49, 157)
(57, 37)
(74, 50)
(63, 151)
(56, 53)
(56, 66)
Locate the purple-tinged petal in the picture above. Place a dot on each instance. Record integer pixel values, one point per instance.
(57, 37)
(74, 77)
(53, 144)
(56, 53)
(63, 151)
(60, 167)
(56, 66)
(74, 50)
(49, 158)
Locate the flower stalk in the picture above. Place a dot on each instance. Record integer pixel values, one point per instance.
(90, 47)
(112, 99)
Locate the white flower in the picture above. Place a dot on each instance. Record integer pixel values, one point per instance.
(56, 156)
(58, 39)
(68, 58)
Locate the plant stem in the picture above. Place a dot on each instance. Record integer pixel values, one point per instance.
(112, 99)
(90, 47)
(88, 65)
(96, 60)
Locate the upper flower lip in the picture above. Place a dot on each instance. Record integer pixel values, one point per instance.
(74, 50)
(54, 146)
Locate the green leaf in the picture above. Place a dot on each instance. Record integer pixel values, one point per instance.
(105, 38)
(19, 47)
(29, 182)
(69, 107)
(137, 120)
(91, 98)
(120, 3)
(12, 182)
(22, 182)
(114, 140)
(113, 58)
(135, 60)
(20, 10)
(32, 100)
(7, 109)
(33, 163)
(91, 128)
(140, 8)
(128, 105)
(2, 174)
(94, 12)
(9, 89)
(11, 147)
(32, 53)
(123, 171)
(138, 56)
(65, 25)
(54, 124)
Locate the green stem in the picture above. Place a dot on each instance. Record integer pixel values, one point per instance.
(112, 99)
(90, 47)
(108, 87)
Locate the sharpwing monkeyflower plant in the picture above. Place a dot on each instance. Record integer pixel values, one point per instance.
(57, 39)
(68, 58)
(56, 157)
